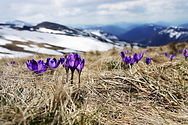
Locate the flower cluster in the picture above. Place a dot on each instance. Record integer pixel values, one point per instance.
(131, 60)
(72, 62)
(170, 56)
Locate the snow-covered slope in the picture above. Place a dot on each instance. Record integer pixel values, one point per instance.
(14, 42)
(175, 32)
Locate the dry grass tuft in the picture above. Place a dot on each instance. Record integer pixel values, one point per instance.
(109, 92)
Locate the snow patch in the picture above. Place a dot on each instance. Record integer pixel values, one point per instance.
(13, 38)
(173, 33)
(4, 42)
(45, 30)
(37, 49)
(12, 54)
(96, 32)
(47, 46)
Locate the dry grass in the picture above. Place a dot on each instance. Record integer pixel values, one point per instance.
(110, 93)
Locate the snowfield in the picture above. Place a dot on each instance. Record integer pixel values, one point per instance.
(48, 38)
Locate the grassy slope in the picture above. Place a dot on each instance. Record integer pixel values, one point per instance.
(109, 93)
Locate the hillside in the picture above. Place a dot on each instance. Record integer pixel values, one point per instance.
(50, 39)
(109, 92)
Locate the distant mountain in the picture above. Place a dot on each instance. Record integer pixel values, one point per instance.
(155, 35)
(112, 29)
(184, 25)
(18, 23)
(141, 34)
(115, 29)
(170, 34)
(127, 26)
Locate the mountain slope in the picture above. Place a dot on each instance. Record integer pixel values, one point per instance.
(48, 38)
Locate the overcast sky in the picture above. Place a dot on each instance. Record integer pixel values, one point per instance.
(94, 11)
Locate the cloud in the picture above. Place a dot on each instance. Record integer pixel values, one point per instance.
(94, 11)
(144, 10)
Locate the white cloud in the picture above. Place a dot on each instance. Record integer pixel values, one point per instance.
(143, 9)
(120, 6)
(94, 11)
(69, 12)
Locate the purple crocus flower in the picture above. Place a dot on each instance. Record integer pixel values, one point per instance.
(35, 66)
(10, 63)
(180, 51)
(52, 63)
(32, 65)
(124, 58)
(185, 53)
(127, 52)
(165, 53)
(171, 57)
(65, 62)
(137, 57)
(140, 56)
(148, 60)
(73, 61)
(62, 60)
(132, 61)
(80, 67)
(122, 54)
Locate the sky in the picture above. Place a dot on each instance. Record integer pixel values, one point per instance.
(94, 11)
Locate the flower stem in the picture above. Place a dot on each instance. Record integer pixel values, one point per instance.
(79, 74)
(67, 73)
(52, 72)
(72, 74)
